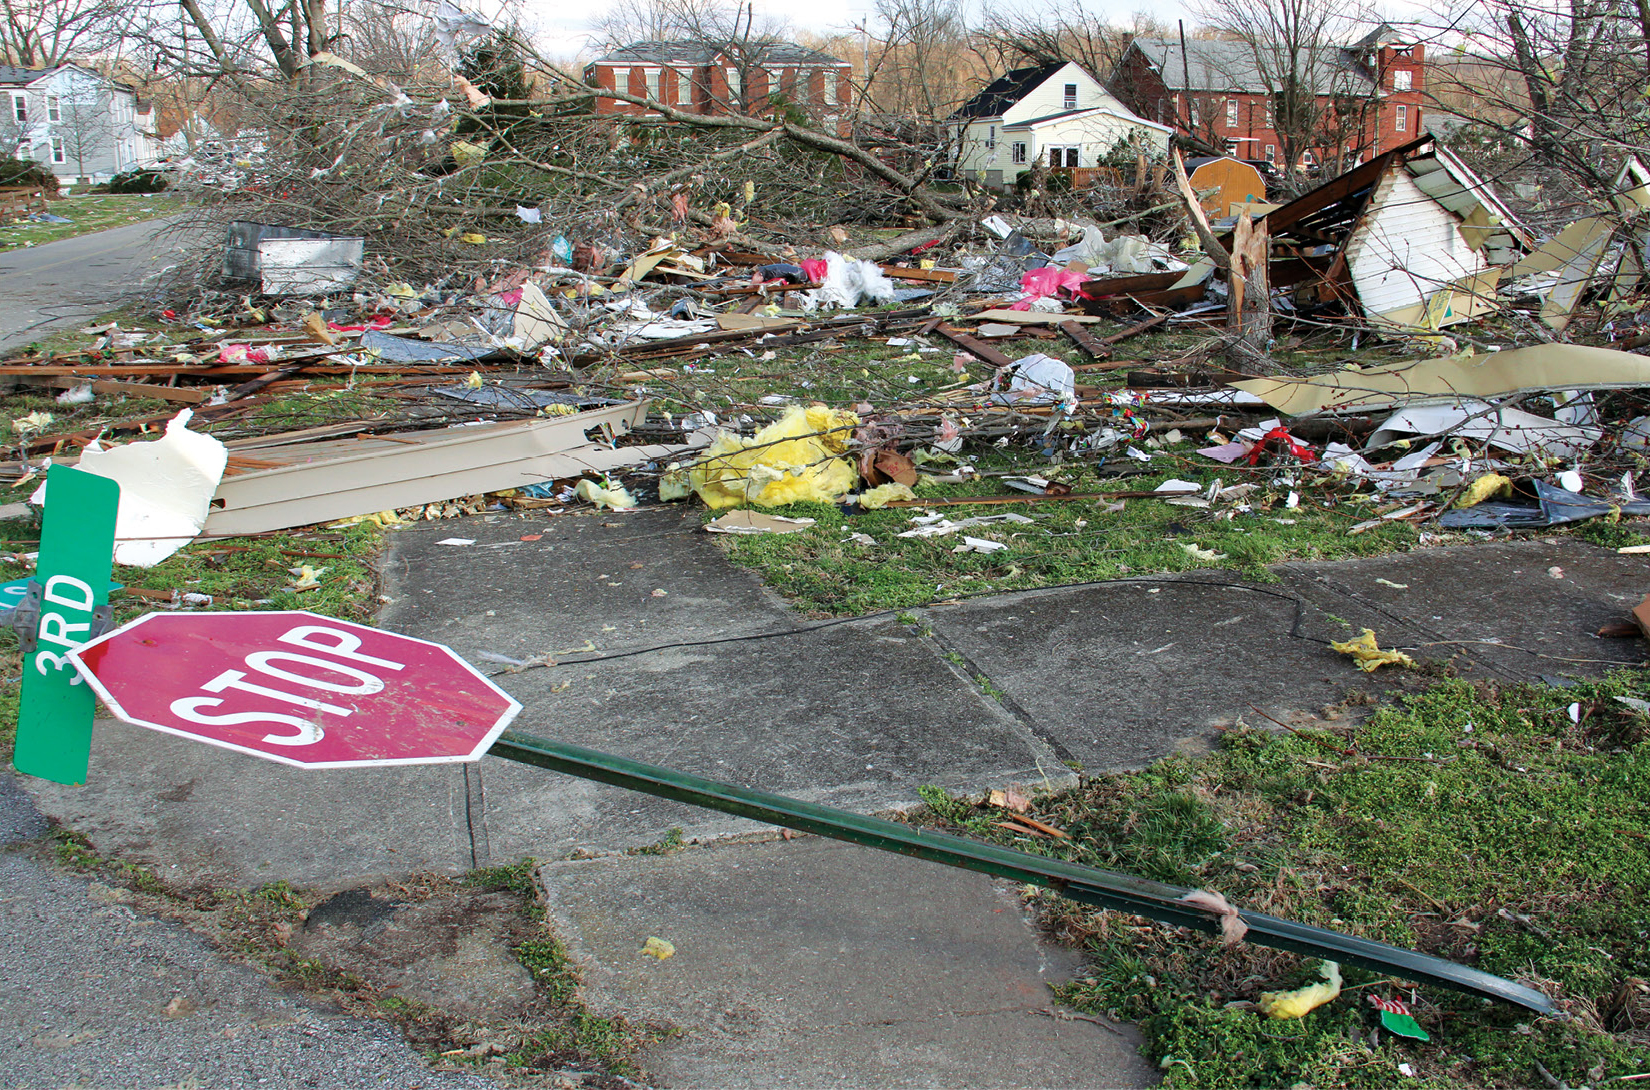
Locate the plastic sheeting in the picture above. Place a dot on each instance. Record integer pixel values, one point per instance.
(850, 283)
(796, 458)
(1123, 254)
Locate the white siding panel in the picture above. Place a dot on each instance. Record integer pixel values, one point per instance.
(1050, 96)
(1406, 247)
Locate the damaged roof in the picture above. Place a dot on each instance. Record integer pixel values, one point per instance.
(1007, 89)
(1212, 65)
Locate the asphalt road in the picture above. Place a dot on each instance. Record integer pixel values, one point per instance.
(61, 284)
(95, 994)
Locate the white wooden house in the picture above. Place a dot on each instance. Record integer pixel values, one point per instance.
(1057, 114)
(78, 124)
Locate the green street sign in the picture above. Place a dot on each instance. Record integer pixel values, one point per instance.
(77, 545)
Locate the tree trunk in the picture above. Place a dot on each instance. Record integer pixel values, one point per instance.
(1249, 304)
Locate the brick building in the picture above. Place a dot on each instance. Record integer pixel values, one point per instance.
(721, 77)
(1215, 92)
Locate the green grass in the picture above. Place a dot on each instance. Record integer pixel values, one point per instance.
(1521, 846)
(90, 212)
(1071, 541)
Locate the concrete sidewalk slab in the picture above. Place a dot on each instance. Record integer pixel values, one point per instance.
(1498, 607)
(1116, 675)
(202, 815)
(857, 715)
(812, 963)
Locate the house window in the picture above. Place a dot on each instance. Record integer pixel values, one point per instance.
(1231, 113)
(991, 137)
(684, 87)
(654, 77)
(1401, 119)
(804, 86)
(733, 85)
(20, 109)
(1270, 123)
(54, 108)
(621, 80)
(1071, 96)
(1402, 79)
(828, 81)
(57, 150)
(1271, 153)
(1019, 152)
(1063, 156)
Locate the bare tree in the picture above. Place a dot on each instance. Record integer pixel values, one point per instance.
(85, 125)
(1561, 80)
(920, 68)
(1012, 36)
(45, 33)
(1295, 52)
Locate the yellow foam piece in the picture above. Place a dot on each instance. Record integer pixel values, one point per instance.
(1368, 654)
(796, 458)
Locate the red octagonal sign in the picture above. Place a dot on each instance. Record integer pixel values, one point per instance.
(298, 688)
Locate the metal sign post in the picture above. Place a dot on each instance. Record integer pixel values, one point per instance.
(316, 692)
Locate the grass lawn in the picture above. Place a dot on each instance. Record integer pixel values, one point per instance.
(1505, 827)
(90, 212)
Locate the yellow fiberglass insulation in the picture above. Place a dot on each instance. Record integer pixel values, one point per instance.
(797, 457)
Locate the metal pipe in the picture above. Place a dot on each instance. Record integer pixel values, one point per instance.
(1090, 885)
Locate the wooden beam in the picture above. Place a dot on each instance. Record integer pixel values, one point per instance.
(1084, 340)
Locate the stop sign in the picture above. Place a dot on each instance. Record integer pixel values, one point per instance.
(297, 687)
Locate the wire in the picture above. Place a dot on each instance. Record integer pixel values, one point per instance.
(1294, 628)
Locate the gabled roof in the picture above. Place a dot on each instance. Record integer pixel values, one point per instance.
(697, 52)
(1063, 115)
(1004, 91)
(11, 76)
(1213, 65)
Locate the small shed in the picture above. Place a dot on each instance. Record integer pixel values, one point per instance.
(1233, 182)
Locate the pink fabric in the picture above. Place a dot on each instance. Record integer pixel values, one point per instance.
(1051, 281)
(814, 270)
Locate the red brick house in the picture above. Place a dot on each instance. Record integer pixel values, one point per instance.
(723, 77)
(1218, 94)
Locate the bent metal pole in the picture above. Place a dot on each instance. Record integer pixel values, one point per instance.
(1106, 889)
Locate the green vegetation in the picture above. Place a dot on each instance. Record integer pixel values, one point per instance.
(668, 844)
(89, 212)
(1508, 828)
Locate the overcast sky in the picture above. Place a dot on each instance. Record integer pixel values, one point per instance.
(562, 29)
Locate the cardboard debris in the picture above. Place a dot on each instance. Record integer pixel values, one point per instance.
(746, 521)
(1488, 375)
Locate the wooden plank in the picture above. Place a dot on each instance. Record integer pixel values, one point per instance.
(1084, 340)
(929, 276)
(980, 349)
(1032, 497)
(182, 394)
(233, 369)
(1135, 330)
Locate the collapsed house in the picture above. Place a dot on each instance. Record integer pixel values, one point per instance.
(1412, 239)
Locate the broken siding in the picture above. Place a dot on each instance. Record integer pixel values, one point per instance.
(1406, 247)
